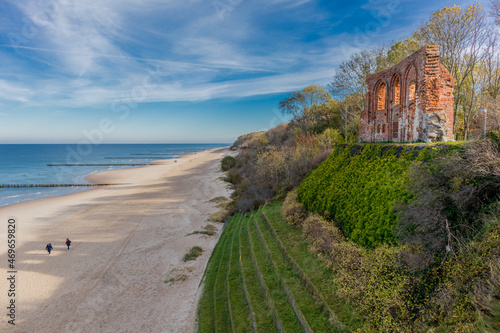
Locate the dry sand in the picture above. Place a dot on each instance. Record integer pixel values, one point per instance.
(126, 241)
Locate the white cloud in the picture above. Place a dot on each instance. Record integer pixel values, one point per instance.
(100, 51)
(14, 92)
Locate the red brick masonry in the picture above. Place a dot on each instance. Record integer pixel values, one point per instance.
(412, 101)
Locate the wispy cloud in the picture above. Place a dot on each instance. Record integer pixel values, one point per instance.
(14, 92)
(97, 52)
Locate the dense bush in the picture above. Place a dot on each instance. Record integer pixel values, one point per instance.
(272, 163)
(359, 186)
(228, 162)
(417, 285)
(450, 191)
(193, 253)
(461, 293)
(374, 281)
(292, 210)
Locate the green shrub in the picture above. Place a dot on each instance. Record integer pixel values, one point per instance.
(359, 186)
(374, 281)
(193, 253)
(366, 191)
(228, 162)
(292, 210)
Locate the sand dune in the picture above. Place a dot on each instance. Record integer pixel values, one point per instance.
(127, 240)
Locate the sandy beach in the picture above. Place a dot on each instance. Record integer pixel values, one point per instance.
(126, 241)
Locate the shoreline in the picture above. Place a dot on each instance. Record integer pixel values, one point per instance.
(127, 239)
(88, 179)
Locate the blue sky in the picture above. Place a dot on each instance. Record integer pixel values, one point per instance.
(160, 71)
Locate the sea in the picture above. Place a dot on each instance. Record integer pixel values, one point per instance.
(55, 164)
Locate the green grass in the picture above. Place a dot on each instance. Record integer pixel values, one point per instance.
(261, 276)
(258, 299)
(239, 308)
(307, 306)
(286, 315)
(310, 265)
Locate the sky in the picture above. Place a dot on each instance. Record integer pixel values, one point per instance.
(176, 71)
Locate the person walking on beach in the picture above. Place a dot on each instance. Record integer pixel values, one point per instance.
(68, 243)
(48, 247)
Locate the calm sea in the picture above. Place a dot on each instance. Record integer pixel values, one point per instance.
(28, 164)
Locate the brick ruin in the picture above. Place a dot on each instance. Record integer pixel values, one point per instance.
(412, 101)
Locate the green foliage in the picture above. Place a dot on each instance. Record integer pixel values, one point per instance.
(375, 281)
(228, 162)
(361, 191)
(402, 49)
(460, 293)
(243, 139)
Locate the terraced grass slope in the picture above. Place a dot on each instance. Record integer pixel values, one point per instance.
(262, 278)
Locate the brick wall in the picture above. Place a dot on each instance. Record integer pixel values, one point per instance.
(412, 101)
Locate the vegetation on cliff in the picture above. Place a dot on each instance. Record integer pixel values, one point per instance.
(370, 237)
(408, 232)
(359, 186)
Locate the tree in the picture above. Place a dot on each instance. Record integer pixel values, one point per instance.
(349, 86)
(309, 106)
(488, 76)
(495, 10)
(461, 34)
(402, 49)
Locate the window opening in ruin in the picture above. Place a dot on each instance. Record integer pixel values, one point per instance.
(383, 128)
(397, 91)
(381, 97)
(411, 90)
(395, 130)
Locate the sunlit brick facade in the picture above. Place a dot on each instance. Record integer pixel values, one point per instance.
(412, 101)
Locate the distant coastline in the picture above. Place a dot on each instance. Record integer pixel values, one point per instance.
(28, 164)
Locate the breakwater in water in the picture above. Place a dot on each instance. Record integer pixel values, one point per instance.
(32, 171)
(53, 185)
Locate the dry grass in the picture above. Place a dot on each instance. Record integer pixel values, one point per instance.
(293, 211)
(210, 230)
(220, 215)
(219, 200)
(193, 253)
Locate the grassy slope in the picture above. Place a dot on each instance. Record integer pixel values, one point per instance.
(359, 186)
(261, 275)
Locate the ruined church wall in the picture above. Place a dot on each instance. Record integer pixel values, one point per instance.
(412, 101)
